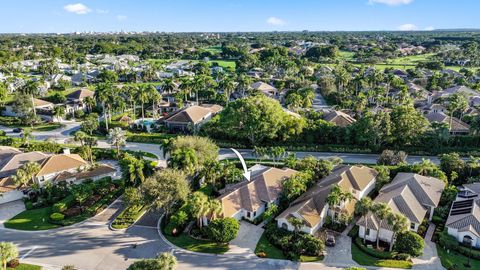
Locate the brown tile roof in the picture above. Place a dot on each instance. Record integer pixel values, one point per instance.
(194, 114)
(339, 118)
(457, 124)
(95, 172)
(7, 184)
(41, 103)
(264, 87)
(310, 204)
(59, 163)
(10, 162)
(80, 94)
(264, 186)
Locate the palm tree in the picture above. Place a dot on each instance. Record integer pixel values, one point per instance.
(80, 136)
(186, 86)
(8, 251)
(198, 203)
(381, 211)
(26, 136)
(31, 89)
(143, 97)
(228, 86)
(362, 208)
(472, 163)
(59, 112)
(296, 223)
(156, 98)
(104, 93)
(26, 173)
(399, 223)
(90, 103)
(117, 137)
(168, 86)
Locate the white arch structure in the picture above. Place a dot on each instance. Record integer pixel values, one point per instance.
(246, 172)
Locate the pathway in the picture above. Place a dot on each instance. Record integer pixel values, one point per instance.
(429, 260)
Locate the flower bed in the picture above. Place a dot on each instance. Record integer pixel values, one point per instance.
(128, 216)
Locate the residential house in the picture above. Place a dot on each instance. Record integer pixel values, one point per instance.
(458, 127)
(463, 221)
(339, 118)
(75, 100)
(265, 88)
(191, 118)
(412, 195)
(312, 207)
(42, 107)
(249, 199)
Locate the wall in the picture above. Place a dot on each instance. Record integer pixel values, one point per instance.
(11, 196)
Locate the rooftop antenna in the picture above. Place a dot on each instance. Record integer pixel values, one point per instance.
(246, 172)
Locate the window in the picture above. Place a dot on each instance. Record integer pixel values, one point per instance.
(248, 214)
(412, 226)
(255, 213)
(368, 232)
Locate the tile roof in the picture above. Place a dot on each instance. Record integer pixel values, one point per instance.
(339, 118)
(468, 221)
(457, 124)
(80, 94)
(59, 163)
(265, 186)
(102, 169)
(310, 204)
(11, 161)
(194, 114)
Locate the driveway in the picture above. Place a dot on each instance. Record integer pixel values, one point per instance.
(246, 240)
(9, 210)
(341, 253)
(429, 260)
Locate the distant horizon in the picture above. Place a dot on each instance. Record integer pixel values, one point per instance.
(216, 16)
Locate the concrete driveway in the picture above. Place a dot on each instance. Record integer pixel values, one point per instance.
(343, 246)
(9, 210)
(246, 240)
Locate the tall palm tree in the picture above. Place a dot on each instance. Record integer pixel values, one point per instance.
(228, 86)
(117, 138)
(59, 112)
(362, 208)
(143, 97)
(381, 211)
(186, 86)
(399, 223)
(104, 93)
(168, 86)
(31, 89)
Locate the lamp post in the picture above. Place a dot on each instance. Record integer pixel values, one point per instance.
(470, 242)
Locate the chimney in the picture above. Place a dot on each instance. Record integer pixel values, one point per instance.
(66, 151)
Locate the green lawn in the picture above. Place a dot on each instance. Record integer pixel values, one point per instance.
(46, 127)
(304, 258)
(31, 220)
(270, 250)
(214, 49)
(203, 246)
(364, 259)
(24, 266)
(455, 258)
(347, 56)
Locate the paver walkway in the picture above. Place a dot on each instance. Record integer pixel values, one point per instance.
(246, 240)
(429, 260)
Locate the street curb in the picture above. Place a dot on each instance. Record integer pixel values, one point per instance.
(71, 226)
(124, 229)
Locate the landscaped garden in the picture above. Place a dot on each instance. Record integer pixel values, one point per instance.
(363, 258)
(454, 255)
(52, 209)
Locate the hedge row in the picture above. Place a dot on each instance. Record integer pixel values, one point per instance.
(373, 252)
(156, 138)
(64, 204)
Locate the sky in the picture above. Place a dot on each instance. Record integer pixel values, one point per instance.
(64, 16)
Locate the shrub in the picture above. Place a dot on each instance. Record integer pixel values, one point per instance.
(14, 263)
(64, 204)
(437, 220)
(57, 216)
(223, 230)
(372, 252)
(410, 243)
(402, 257)
(28, 205)
(3, 133)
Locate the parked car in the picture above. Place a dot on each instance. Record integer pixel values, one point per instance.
(17, 130)
(330, 241)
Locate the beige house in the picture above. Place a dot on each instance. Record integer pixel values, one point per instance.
(265, 88)
(249, 199)
(312, 208)
(191, 118)
(458, 126)
(75, 100)
(54, 165)
(412, 195)
(339, 118)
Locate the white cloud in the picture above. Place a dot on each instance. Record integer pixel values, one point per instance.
(276, 21)
(102, 11)
(408, 27)
(429, 28)
(121, 17)
(391, 2)
(78, 8)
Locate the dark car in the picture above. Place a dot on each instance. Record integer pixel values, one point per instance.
(330, 241)
(17, 130)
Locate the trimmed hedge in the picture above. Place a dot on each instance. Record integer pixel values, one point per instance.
(373, 252)
(64, 204)
(156, 138)
(57, 216)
